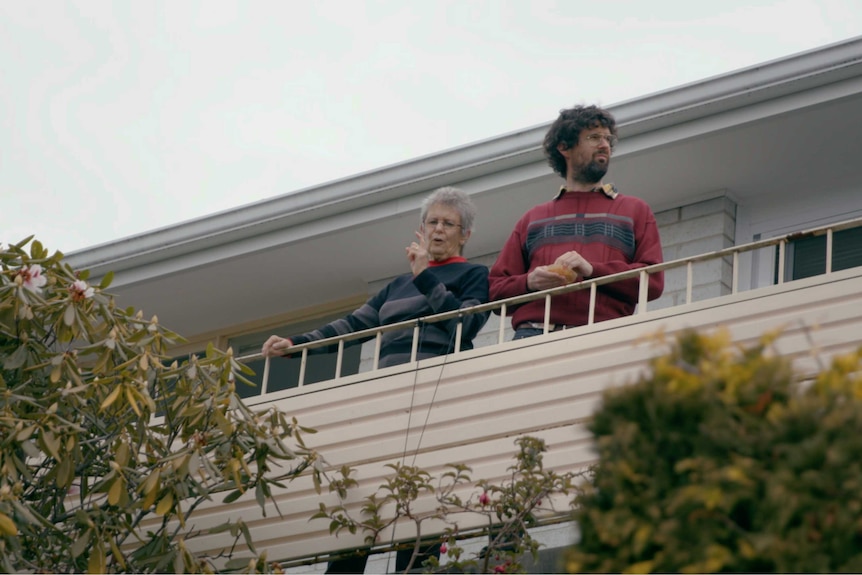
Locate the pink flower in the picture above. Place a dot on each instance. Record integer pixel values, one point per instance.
(500, 568)
(80, 290)
(443, 549)
(484, 499)
(32, 278)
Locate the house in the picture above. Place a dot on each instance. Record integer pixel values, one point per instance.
(755, 155)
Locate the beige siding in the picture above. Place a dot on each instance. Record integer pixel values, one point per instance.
(470, 407)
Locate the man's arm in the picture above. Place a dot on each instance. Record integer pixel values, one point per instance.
(508, 276)
(648, 251)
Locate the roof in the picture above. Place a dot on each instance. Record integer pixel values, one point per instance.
(789, 124)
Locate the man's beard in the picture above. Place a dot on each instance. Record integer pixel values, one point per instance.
(592, 173)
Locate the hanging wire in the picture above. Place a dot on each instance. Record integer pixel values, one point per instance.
(452, 343)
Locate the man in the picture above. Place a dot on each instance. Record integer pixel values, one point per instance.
(588, 228)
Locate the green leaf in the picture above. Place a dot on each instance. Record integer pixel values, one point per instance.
(247, 536)
(37, 252)
(65, 473)
(165, 504)
(122, 455)
(50, 443)
(96, 564)
(7, 526)
(115, 491)
(237, 563)
(17, 358)
(260, 496)
(69, 315)
(81, 543)
(118, 555)
(232, 496)
(25, 433)
(221, 528)
(106, 280)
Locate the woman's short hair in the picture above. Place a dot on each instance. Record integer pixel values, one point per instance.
(453, 198)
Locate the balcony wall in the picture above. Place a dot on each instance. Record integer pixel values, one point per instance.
(469, 407)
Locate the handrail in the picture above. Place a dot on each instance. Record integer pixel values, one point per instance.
(592, 284)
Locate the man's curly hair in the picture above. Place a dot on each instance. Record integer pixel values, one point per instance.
(566, 129)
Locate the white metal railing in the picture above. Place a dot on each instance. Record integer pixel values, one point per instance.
(592, 284)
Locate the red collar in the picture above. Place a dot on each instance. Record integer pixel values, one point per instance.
(452, 260)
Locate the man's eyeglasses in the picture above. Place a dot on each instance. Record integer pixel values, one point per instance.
(447, 225)
(596, 139)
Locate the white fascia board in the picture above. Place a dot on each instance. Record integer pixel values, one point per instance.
(741, 88)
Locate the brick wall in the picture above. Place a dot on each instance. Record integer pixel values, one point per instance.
(698, 228)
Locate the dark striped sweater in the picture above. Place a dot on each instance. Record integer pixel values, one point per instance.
(437, 289)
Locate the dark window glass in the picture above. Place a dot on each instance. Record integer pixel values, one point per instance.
(806, 257)
(284, 371)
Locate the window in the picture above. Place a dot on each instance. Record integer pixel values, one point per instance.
(806, 257)
(283, 371)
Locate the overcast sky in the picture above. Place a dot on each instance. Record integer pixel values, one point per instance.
(118, 117)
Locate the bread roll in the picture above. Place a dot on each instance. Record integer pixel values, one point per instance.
(564, 271)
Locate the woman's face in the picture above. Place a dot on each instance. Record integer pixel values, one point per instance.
(444, 236)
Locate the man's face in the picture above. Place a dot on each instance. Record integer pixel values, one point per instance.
(589, 159)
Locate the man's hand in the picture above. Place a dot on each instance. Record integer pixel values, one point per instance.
(417, 255)
(541, 279)
(275, 346)
(576, 261)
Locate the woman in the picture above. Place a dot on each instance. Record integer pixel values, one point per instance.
(440, 279)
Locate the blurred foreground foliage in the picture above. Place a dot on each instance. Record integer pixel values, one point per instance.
(106, 451)
(725, 460)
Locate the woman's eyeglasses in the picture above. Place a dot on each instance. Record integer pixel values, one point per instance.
(447, 225)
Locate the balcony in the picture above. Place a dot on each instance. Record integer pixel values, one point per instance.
(470, 406)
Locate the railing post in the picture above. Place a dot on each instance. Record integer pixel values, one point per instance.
(302, 363)
(378, 342)
(643, 291)
(547, 313)
(781, 247)
(502, 331)
(592, 315)
(415, 348)
(829, 251)
(265, 382)
(689, 280)
(458, 330)
(339, 357)
(734, 285)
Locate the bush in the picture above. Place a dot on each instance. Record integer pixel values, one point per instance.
(105, 451)
(724, 460)
(505, 511)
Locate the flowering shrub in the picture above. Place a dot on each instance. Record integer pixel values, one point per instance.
(725, 460)
(105, 451)
(507, 510)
